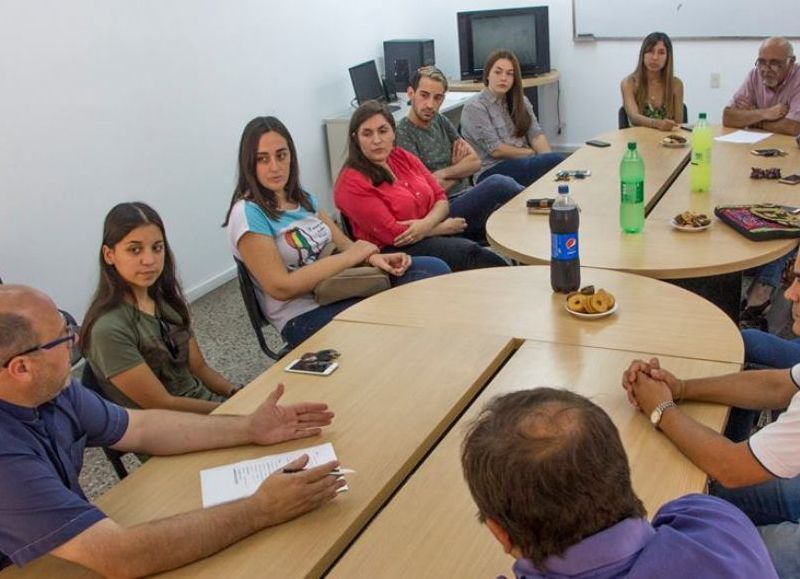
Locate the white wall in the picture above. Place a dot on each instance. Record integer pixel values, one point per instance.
(105, 101)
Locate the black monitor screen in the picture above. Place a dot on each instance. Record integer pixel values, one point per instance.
(516, 33)
(366, 82)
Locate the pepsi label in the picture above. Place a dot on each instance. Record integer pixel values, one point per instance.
(564, 246)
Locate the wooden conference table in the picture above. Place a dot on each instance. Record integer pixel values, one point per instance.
(660, 251)
(407, 373)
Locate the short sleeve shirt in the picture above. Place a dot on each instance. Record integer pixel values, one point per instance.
(125, 337)
(755, 93)
(433, 145)
(42, 505)
(300, 237)
(487, 124)
(776, 445)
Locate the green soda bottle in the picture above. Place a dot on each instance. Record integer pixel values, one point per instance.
(631, 177)
(700, 171)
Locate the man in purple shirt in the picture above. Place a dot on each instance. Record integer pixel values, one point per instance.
(551, 480)
(46, 420)
(770, 96)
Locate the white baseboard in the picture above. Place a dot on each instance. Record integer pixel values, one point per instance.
(210, 284)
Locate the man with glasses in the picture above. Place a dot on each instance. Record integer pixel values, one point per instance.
(433, 138)
(46, 420)
(769, 99)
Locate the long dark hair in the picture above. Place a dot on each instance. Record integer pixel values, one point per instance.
(667, 73)
(247, 184)
(355, 156)
(112, 289)
(515, 99)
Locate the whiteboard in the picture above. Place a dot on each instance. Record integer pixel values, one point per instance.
(618, 19)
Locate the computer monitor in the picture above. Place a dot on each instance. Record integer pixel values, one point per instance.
(367, 84)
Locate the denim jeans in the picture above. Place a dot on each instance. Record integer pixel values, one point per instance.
(477, 203)
(774, 507)
(303, 326)
(457, 252)
(770, 350)
(770, 273)
(783, 543)
(525, 170)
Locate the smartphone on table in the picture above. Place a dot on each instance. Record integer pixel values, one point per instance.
(314, 367)
(790, 179)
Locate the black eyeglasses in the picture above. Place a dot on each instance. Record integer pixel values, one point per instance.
(166, 337)
(71, 336)
(321, 356)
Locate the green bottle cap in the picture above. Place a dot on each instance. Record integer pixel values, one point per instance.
(702, 115)
(632, 146)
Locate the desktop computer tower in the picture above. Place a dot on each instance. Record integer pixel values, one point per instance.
(402, 58)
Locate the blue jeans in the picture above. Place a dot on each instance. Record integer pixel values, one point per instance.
(457, 252)
(525, 170)
(770, 273)
(769, 350)
(774, 501)
(783, 544)
(303, 326)
(774, 507)
(477, 203)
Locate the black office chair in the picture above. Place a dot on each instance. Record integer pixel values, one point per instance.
(344, 223)
(257, 319)
(89, 380)
(624, 123)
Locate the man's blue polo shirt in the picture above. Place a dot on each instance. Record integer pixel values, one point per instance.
(42, 505)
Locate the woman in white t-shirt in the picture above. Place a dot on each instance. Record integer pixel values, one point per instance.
(277, 230)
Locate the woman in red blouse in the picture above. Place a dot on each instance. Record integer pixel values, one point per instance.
(393, 201)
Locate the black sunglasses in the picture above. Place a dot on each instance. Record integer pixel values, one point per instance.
(71, 336)
(321, 356)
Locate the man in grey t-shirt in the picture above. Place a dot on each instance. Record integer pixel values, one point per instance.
(433, 138)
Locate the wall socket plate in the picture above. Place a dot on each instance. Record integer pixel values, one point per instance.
(714, 80)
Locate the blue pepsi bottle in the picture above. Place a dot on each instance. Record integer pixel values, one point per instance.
(565, 263)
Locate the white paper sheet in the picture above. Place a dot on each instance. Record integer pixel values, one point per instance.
(241, 479)
(746, 137)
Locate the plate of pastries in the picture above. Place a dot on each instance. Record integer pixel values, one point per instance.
(591, 304)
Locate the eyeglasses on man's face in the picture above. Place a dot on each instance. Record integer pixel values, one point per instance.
(70, 335)
(773, 65)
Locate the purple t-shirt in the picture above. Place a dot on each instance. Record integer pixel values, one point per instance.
(42, 505)
(693, 536)
(755, 93)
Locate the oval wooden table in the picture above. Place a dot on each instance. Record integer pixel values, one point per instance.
(414, 359)
(660, 251)
(653, 316)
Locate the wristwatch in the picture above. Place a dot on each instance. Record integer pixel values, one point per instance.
(655, 416)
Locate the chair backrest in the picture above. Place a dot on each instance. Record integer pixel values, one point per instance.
(254, 313)
(345, 225)
(624, 123)
(89, 380)
(622, 118)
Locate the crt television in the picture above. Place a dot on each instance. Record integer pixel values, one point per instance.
(523, 31)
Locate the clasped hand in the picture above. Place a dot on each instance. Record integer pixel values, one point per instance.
(648, 385)
(271, 423)
(392, 263)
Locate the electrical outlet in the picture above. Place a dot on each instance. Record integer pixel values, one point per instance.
(715, 80)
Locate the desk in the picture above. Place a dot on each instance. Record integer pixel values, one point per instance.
(336, 127)
(518, 302)
(659, 251)
(530, 86)
(381, 430)
(528, 82)
(413, 359)
(429, 529)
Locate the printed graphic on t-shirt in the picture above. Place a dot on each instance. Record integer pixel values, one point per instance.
(305, 239)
